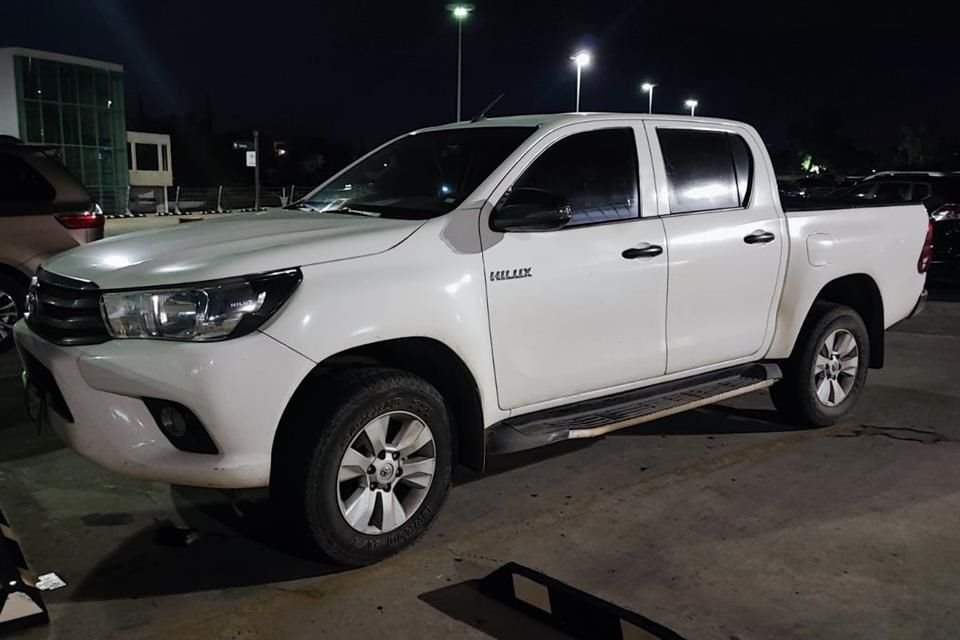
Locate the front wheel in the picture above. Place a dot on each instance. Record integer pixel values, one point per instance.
(827, 372)
(12, 301)
(369, 477)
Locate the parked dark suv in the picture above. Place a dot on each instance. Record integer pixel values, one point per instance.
(939, 193)
(43, 210)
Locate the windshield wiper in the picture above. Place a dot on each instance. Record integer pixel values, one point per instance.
(351, 211)
(348, 210)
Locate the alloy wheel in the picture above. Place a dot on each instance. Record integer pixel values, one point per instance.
(8, 315)
(386, 472)
(835, 368)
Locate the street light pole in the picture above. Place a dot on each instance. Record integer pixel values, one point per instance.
(459, 68)
(577, 107)
(460, 12)
(581, 59)
(692, 105)
(256, 170)
(648, 88)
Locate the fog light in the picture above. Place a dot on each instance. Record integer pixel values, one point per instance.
(180, 426)
(172, 422)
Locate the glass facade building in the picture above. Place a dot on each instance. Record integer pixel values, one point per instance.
(79, 110)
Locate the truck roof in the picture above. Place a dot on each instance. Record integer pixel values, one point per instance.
(553, 120)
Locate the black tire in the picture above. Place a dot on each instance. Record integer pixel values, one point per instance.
(795, 397)
(307, 484)
(15, 290)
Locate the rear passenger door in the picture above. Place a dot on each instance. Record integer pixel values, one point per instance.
(578, 309)
(725, 239)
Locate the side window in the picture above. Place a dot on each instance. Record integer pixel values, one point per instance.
(893, 192)
(596, 172)
(706, 170)
(21, 183)
(147, 158)
(743, 166)
(921, 191)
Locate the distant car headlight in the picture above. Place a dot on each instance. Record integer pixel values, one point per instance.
(198, 313)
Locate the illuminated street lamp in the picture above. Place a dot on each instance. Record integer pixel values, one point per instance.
(460, 13)
(692, 105)
(581, 59)
(648, 88)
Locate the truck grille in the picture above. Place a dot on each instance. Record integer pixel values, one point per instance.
(65, 311)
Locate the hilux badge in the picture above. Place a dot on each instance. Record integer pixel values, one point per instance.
(511, 274)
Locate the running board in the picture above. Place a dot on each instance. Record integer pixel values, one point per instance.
(600, 416)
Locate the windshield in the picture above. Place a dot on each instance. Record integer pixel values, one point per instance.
(419, 176)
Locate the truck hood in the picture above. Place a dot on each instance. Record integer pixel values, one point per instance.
(231, 246)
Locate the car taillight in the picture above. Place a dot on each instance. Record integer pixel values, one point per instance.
(92, 219)
(946, 212)
(926, 254)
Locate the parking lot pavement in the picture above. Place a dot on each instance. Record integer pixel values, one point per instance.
(721, 523)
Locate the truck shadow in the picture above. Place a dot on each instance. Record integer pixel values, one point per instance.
(217, 543)
(716, 420)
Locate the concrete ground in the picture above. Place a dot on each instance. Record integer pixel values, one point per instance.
(721, 523)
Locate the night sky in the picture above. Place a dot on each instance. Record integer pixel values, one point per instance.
(358, 72)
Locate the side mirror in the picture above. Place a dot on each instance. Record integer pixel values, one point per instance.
(527, 209)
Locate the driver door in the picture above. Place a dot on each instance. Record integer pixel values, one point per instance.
(581, 308)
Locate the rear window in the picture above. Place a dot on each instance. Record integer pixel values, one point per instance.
(21, 183)
(706, 170)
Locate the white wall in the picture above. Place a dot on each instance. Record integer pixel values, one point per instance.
(9, 120)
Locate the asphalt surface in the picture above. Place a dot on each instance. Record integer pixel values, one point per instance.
(720, 523)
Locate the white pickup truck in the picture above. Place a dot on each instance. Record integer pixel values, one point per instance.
(476, 288)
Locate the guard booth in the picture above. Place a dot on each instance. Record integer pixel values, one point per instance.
(150, 168)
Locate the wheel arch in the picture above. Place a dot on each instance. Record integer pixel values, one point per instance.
(860, 292)
(13, 272)
(428, 358)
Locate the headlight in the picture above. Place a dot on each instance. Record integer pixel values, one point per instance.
(203, 312)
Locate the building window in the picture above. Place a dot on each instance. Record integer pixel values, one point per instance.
(147, 157)
(164, 158)
(79, 110)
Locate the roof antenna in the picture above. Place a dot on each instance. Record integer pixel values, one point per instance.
(483, 114)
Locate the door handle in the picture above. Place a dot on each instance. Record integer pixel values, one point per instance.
(646, 250)
(760, 237)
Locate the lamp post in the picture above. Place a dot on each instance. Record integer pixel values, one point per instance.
(460, 13)
(648, 88)
(581, 59)
(692, 105)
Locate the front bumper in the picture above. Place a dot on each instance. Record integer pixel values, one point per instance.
(238, 389)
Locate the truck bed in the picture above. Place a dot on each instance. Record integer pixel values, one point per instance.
(825, 204)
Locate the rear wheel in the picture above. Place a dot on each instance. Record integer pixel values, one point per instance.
(826, 373)
(368, 478)
(12, 301)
